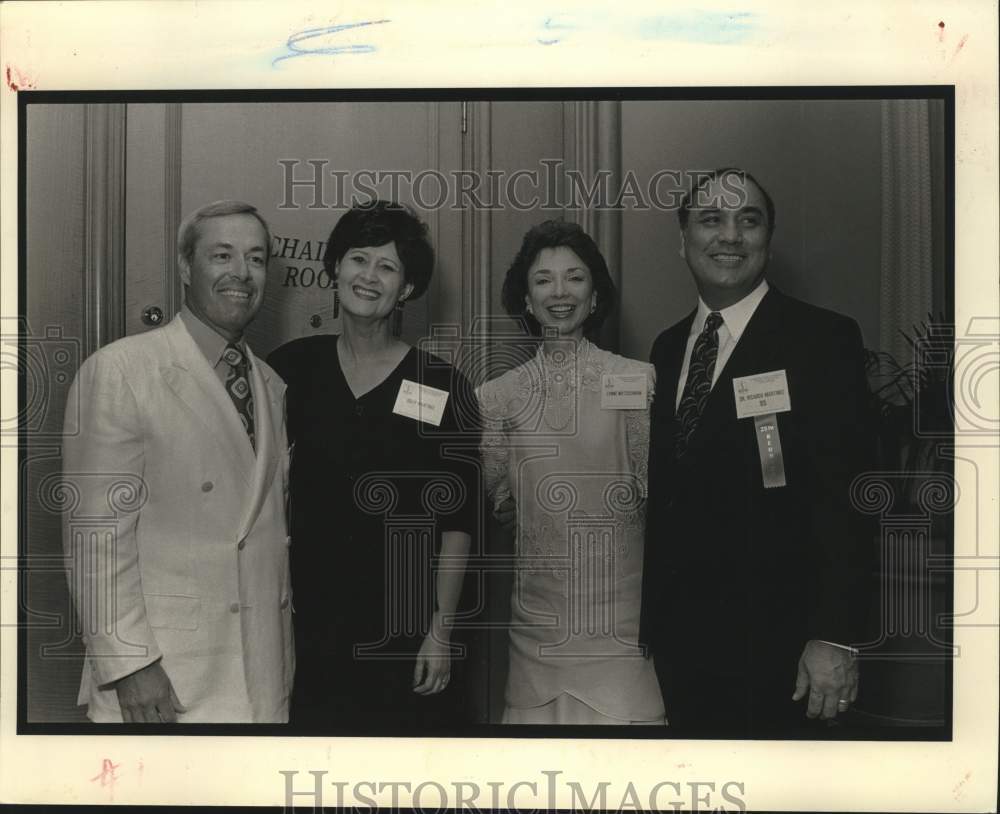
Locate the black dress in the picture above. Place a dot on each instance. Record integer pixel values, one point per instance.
(371, 493)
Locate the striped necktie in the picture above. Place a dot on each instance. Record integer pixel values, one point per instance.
(238, 387)
(699, 382)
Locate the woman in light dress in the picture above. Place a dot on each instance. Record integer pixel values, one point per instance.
(564, 451)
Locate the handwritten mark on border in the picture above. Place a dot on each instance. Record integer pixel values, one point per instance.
(296, 40)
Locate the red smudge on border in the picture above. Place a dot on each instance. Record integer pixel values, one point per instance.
(17, 81)
(961, 44)
(107, 775)
(941, 31)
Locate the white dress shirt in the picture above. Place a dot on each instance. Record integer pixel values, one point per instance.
(734, 321)
(211, 343)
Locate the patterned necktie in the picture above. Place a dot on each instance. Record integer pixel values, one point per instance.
(699, 382)
(238, 387)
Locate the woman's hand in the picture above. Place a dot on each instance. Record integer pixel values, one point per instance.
(432, 671)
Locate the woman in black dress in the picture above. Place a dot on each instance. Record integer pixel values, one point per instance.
(384, 491)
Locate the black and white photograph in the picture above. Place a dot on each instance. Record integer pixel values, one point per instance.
(628, 418)
(538, 273)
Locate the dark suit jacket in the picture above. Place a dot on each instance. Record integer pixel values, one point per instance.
(736, 570)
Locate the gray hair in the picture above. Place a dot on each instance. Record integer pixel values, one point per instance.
(187, 232)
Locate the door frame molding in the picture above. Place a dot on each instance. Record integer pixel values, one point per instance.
(172, 165)
(104, 225)
(592, 143)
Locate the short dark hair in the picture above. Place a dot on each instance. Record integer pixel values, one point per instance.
(552, 234)
(377, 223)
(705, 178)
(190, 228)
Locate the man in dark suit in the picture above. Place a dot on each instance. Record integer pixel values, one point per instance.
(755, 578)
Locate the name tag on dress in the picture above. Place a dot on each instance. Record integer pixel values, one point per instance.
(420, 402)
(623, 391)
(762, 394)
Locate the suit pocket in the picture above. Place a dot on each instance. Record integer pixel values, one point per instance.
(174, 611)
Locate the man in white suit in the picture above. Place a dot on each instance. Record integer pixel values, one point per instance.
(186, 613)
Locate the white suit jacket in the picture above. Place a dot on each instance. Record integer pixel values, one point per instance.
(194, 569)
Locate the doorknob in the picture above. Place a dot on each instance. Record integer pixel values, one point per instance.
(152, 315)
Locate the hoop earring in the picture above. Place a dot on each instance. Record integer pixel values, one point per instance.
(336, 301)
(397, 318)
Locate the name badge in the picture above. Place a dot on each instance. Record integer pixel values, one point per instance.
(762, 394)
(623, 391)
(420, 402)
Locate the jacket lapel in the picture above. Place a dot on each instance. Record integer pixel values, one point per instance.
(267, 408)
(193, 381)
(669, 372)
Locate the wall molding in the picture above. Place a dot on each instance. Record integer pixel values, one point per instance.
(477, 223)
(907, 262)
(172, 124)
(433, 217)
(592, 144)
(104, 225)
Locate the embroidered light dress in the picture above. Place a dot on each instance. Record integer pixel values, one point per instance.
(577, 472)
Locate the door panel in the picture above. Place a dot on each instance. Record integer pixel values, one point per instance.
(151, 280)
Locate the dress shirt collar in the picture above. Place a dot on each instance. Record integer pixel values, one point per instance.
(736, 316)
(209, 341)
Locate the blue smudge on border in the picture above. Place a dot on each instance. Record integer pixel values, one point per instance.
(705, 27)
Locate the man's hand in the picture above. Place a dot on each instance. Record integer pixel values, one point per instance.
(147, 696)
(829, 675)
